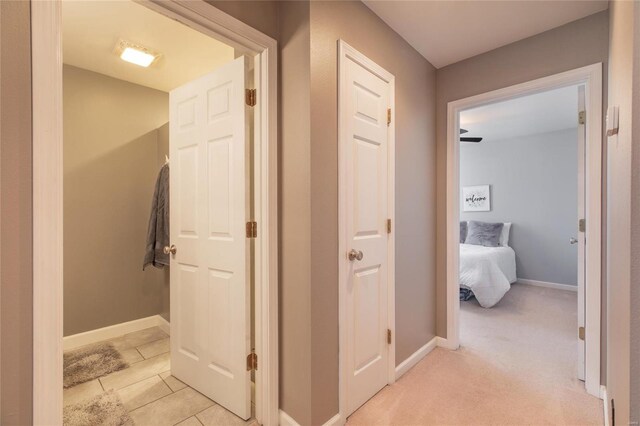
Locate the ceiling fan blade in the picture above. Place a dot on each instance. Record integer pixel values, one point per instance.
(475, 140)
(463, 131)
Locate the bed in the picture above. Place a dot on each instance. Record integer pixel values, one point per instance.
(486, 272)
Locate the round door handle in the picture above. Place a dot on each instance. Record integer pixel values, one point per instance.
(171, 249)
(355, 255)
(573, 241)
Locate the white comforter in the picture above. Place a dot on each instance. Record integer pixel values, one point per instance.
(487, 271)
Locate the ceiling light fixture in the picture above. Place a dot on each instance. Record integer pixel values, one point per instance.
(136, 54)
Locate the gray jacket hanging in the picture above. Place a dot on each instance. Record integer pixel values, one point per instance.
(158, 231)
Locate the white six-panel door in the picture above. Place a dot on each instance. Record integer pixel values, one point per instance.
(210, 298)
(365, 177)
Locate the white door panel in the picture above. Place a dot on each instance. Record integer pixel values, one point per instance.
(210, 293)
(367, 176)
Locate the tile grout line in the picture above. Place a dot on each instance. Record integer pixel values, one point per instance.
(200, 412)
(138, 350)
(214, 404)
(156, 400)
(194, 416)
(165, 382)
(139, 381)
(134, 347)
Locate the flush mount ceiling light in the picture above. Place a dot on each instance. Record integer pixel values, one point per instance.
(136, 54)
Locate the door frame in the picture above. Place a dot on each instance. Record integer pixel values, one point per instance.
(345, 52)
(591, 77)
(46, 45)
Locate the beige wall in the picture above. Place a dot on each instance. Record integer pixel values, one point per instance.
(307, 36)
(624, 203)
(570, 46)
(295, 212)
(259, 14)
(110, 168)
(16, 280)
(415, 187)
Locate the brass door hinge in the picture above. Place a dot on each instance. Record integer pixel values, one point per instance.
(582, 117)
(388, 117)
(388, 336)
(250, 97)
(582, 225)
(581, 333)
(388, 226)
(252, 361)
(252, 229)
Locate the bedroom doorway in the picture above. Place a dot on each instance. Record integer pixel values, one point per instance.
(492, 245)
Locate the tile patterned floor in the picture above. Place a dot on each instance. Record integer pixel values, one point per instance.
(149, 392)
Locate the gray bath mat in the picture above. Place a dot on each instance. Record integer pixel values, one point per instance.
(105, 409)
(91, 362)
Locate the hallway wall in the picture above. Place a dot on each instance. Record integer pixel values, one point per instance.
(308, 34)
(16, 208)
(623, 337)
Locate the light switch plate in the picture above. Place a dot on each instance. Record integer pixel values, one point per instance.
(612, 121)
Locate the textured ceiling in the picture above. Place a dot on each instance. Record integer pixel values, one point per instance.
(445, 32)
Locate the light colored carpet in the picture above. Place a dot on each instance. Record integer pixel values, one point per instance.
(105, 409)
(91, 362)
(516, 366)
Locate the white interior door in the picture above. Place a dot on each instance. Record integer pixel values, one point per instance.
(581, 235)
(210, 283)
(366, 178)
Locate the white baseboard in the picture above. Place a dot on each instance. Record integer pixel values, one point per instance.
(334, 421)
(287, 420)
(112, 331)
(605, 404)
(408, 363)
(444, 343)
(557, 286)
(164, 325)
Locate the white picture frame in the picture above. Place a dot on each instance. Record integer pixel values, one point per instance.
(476, 198)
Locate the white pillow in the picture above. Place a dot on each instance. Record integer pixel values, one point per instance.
(504, 235)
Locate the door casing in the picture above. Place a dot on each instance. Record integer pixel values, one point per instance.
(591, 77)
(346, 52)
(46, 42)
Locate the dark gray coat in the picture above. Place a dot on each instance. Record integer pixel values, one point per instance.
(158, 231)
